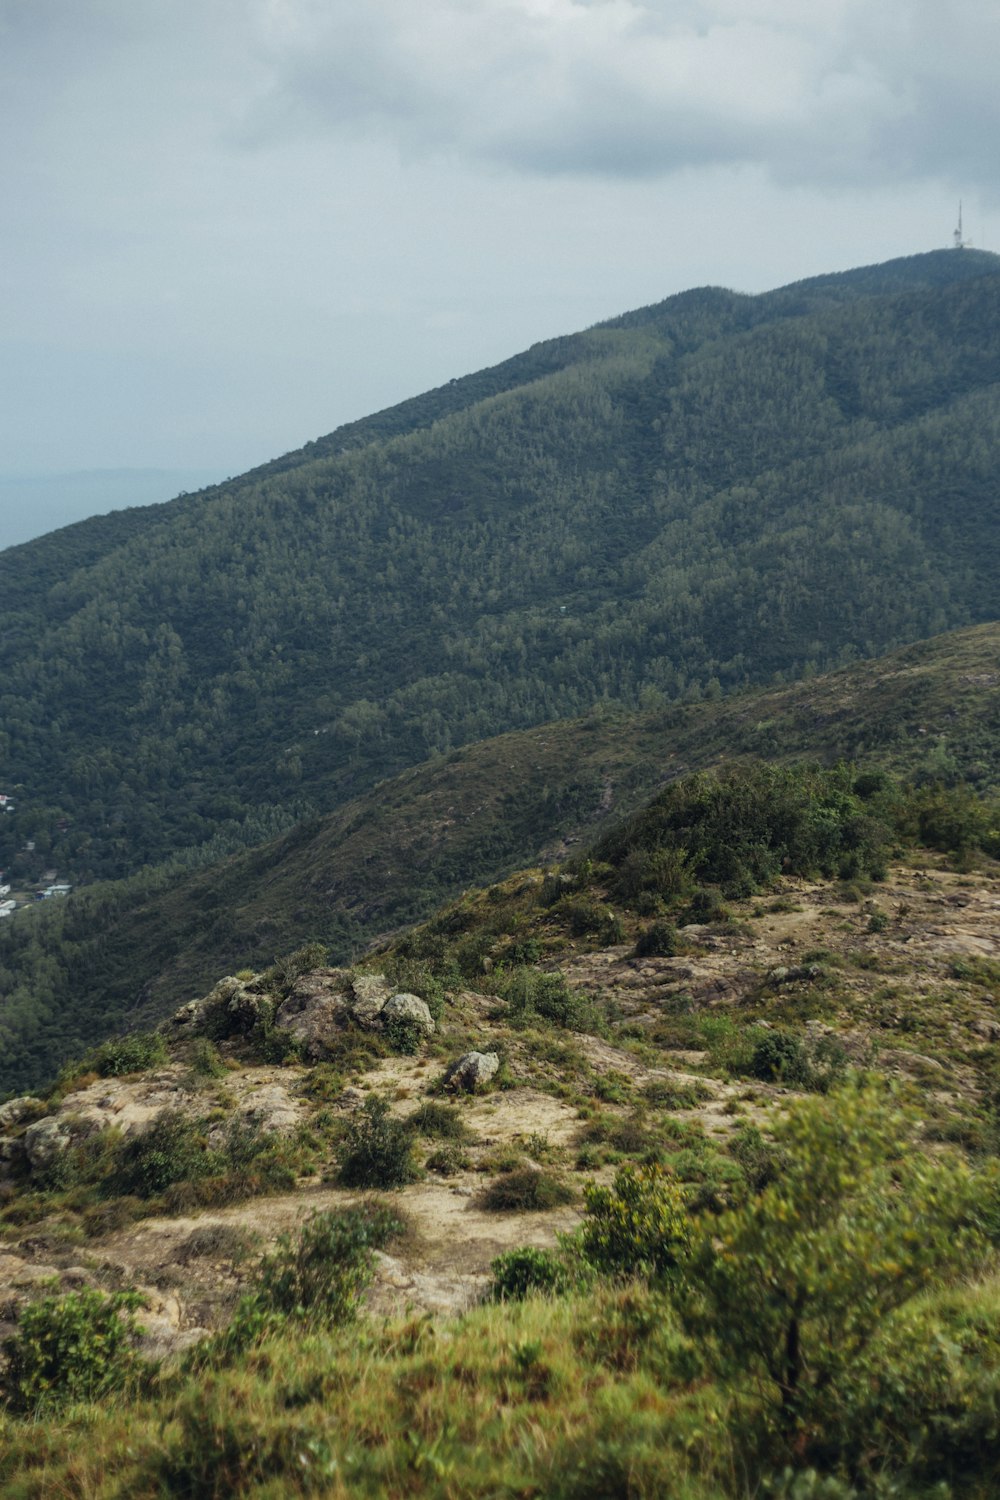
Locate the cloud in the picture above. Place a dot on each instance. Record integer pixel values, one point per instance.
(838, 91)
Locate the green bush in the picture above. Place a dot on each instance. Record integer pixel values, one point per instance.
(532, 994)
(519, 1272)
(638, 1226)
(741, 827)
(172, 1150)
(316, 1280)
(279, 979)
(378, 1149)
(404, 1035)
(127, 1054)
(442, 1121)
(791, 1288)
(779, 1057)
(319, 1277)
(72, 1348)
(525, 1190)
(205, 1060)
(659, 940)
(448, 1159)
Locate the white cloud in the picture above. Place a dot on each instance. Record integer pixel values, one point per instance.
(837, 90)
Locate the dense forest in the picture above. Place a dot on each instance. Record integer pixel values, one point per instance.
(125, 953)
(713, 492)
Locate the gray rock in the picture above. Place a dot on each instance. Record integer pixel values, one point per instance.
(16, 1110)
(371, 991)
(44, 1141)
(188, 1020)
(314, 1012)
(471, 1071)
(404, 1007)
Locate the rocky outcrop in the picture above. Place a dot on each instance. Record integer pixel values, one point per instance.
(15, 1111)
(471, 1071)
(315, 1011)
(45, 1141)
(409, 1009)
(370, 992)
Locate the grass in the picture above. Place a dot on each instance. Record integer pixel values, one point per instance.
(584, 1396)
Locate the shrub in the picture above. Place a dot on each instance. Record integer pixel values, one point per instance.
(378, 1149)
(659, 940)
(779, 1057)
(638, 1226)
(205, 1060)
(404, 1035)
(531, 994)
(171, 1150)
(441, 1121)
(127, 1054)
(525, 1190)
(519, 1272)
(316, 1280)
(793, 1286)
(319, 1277)
(281, 976)
(447, 1160)
(72, 1348)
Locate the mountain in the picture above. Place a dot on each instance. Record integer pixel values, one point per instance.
(126, 953)
(716, 491)
(680, 1167)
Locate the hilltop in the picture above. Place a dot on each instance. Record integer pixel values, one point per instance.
(713, 492)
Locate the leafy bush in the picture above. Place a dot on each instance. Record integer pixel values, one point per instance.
(793, 1286)
(319, 1277)
(518, 1272)
(525, 1190)
(281, 976)
(740, 828)
(127, 1054)
(205, 1060)
(439, 1120)
(404, 1035)
(316, 1279)
(659, 940)
(532, 994)
(448, 1159)
(378, 1149)
(638, 1226)
(779, 1057)
(172, 1150)
(72, 1348)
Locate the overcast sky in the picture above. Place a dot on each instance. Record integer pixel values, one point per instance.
(230, 225)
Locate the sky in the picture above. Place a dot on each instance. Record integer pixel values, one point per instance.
(231, 225)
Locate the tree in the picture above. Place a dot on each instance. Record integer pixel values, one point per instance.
(794, 1285)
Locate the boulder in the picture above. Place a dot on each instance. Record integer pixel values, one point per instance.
(44, 1141)
(16, 1110)
(370, 991)
(404, 1007)
(314, 1011)
(471, 1071)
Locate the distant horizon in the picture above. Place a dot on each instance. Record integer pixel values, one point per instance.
(34, 504)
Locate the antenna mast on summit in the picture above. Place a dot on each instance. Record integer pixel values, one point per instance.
(957, 239)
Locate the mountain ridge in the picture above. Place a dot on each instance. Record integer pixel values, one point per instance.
(124, 954)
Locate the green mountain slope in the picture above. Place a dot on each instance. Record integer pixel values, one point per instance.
(693, 497)
(124, 954)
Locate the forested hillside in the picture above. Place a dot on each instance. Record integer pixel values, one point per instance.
(124, 953)
(716, 491)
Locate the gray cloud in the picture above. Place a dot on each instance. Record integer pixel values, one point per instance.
(838, 90)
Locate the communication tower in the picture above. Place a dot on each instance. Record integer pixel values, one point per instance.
(957, 240)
